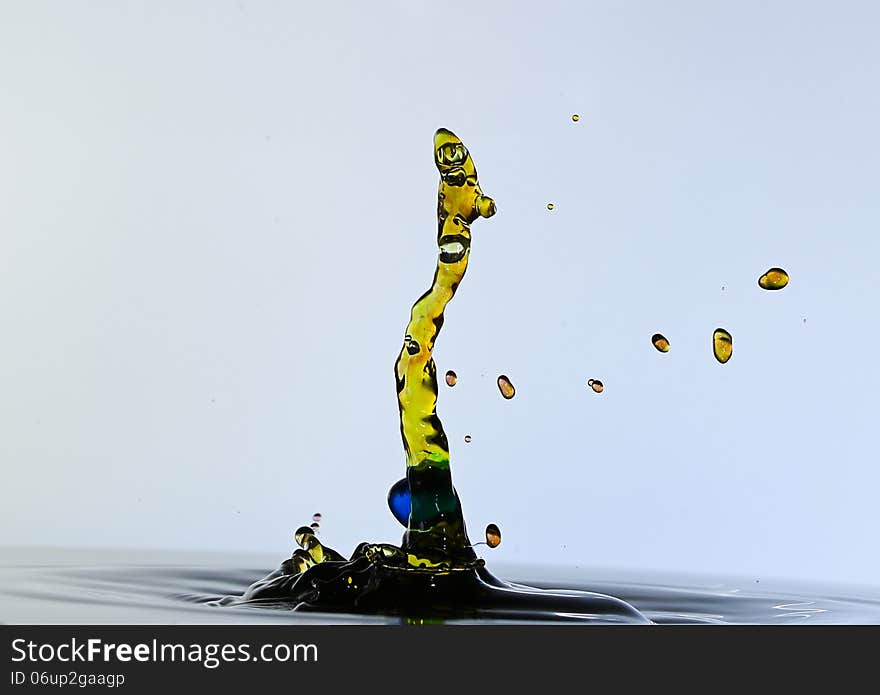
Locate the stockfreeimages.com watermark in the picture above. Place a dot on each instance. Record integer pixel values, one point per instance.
(208, 655)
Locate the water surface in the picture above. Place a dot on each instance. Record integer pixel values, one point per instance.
(47, 585)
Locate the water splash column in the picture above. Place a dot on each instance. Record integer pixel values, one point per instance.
(436, 533)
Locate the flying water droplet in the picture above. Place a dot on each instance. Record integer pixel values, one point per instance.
(550, 206)
(493, 536)
(506, 388)
(660, 342)
(400, 501)
(451, 378)
(575, 117)
(722, 345)
(315, 526)
(316, 517)
(596, 385)
(773, 279)
(467, 439)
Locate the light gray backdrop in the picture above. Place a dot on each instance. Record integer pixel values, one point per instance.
(214, 217)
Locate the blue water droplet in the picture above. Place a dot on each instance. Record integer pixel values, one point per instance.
(400, 501)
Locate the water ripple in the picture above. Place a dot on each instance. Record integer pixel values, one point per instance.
(122, 592)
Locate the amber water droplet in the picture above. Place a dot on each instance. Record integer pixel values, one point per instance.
(596, 385)
(722, 345)
(316, 517)
(773, 279)
(506, 388)
(575, 117)
(660, 342)
(451, 378)
(493, 536)
(467, 439)
(550, 206)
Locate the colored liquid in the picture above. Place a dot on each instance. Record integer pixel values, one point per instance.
(435, 571)
(722, 345)
(660, 342)
(506, 387)
(773, 279)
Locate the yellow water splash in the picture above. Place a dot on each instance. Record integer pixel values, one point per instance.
(436, 530)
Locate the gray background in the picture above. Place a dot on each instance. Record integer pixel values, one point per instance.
(214, 218)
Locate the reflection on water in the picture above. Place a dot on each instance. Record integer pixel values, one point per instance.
(41, 586)
(804, 609)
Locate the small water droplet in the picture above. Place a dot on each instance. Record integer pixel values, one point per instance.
(506, 388)
(660, 342)
(451, 378)
(722, 345)
(316, 517)
(493, 536)
(467, 439)
(773, 279)
(301, 535)
(400, 501)
(575, 117)
(315, 526)
(550, 206)
(596, 385)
